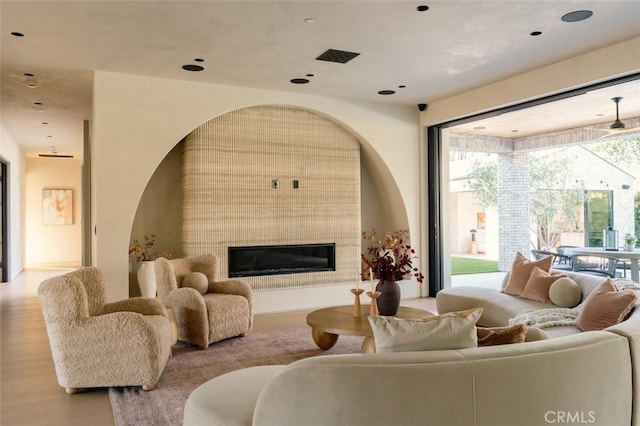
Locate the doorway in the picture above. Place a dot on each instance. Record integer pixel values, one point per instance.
(4, 208)
(598, 216)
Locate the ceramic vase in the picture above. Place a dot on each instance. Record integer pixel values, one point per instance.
(389, 300)
(147, 278)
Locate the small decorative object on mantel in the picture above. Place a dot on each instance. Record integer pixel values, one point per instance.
(629, 241)
(146, 264)
(389, 260)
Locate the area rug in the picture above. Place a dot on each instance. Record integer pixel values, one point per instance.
(189, 367)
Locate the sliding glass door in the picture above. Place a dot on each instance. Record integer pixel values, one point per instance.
(494, 191)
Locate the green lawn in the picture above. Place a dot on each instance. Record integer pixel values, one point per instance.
(465, 265)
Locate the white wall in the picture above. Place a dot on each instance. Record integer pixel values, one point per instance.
(12, 154)
(52, 245)
(137, 120)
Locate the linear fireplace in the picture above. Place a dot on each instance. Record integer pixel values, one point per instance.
(281, 259)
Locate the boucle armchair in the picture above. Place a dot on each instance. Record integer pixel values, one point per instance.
(223, 311)
(99, 344)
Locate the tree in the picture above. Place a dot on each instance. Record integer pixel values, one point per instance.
(484, 183)
(554, 201)
(623, 153)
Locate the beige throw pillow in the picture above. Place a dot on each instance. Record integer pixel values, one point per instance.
(449, 331)
(537, 287)
(521, 271)
(605, 306)
(565, 293)
(535, 334)
(197, 281)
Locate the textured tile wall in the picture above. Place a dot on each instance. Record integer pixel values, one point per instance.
(230, 163)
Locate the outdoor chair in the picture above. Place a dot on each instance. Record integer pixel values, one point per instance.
(541, 254)
(599, 265)
(624, 265)
(562, 258)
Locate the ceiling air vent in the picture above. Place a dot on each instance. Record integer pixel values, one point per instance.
(55, 155)
(339, 56)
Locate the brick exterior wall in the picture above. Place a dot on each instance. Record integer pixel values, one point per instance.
(513, 207)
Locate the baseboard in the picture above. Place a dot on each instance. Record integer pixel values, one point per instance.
(317, 297)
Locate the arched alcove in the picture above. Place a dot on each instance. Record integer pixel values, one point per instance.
(295, 144)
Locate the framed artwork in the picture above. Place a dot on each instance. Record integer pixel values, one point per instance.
(480, 220)
(57, 207)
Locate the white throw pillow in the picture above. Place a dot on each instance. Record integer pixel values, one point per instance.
(565, 292)
(197, 281)
(456, 330)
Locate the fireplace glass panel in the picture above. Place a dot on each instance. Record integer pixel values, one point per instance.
(281, 259)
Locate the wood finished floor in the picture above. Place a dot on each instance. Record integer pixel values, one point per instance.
(29, 391)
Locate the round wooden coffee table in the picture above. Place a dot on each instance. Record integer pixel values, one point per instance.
(329, 323)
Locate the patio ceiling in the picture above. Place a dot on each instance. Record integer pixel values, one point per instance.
(593, 110)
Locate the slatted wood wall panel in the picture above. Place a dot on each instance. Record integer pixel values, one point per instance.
(230, 163)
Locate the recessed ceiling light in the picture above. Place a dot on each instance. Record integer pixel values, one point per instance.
(190, 67)
(479, 128)
(44, 122)
(199, 60)
(28, 74)
(535, 33)
(577, 16)
(310, 75)
(402, 86)
(422, 8)
(17, 34)
(514, 131)
(599, 115)
(386, 92)
(31, 83)
(299, 80)
(49, 136)
(37, 103)
(310, 20)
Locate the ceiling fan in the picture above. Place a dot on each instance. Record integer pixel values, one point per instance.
(618, 127)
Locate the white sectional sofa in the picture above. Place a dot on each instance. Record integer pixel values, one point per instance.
(500, 307)
(579, 377)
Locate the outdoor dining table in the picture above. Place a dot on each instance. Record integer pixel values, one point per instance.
(633, 256)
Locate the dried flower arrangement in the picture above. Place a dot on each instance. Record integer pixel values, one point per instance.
(142, 252)
(390, 258)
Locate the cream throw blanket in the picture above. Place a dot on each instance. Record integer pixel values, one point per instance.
(556, 317)
(549, 317)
